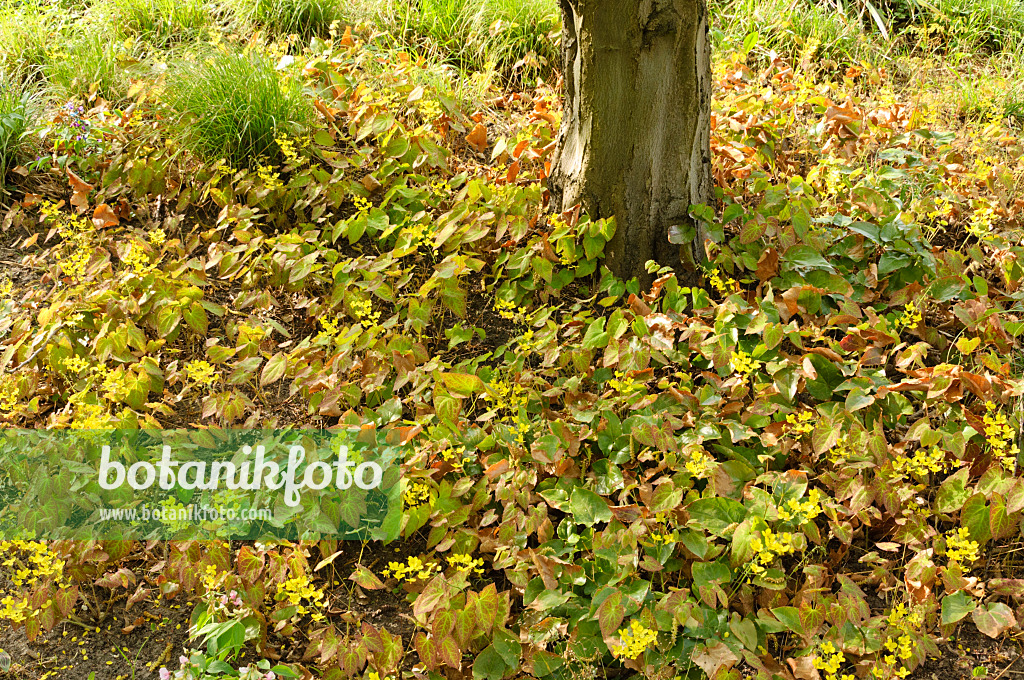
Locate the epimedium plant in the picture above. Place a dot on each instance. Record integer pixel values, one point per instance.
(806, 465)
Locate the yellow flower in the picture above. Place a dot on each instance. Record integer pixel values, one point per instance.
(417, 493)
(802, 423)
(467, 563)
(801, 512)
(743, 364)
(768, 548)
(271, 180)
(363, 205)
(363, 310)
(910, 318)
(723, 285)
(960, 548)
(922, 462)
(699, 463)
(636, 638)
(201, 372)
(623, 384)
(413, 569)
(999, 436)
(507, 310)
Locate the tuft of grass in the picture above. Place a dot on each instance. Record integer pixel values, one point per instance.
(516, 37)
(799, 29)
(967, 26)
(92, 63)
(160, 22)
(304, 18)
(232, 105)
(28, 32)
(18, 113)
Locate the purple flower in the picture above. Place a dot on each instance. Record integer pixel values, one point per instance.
(165, 674)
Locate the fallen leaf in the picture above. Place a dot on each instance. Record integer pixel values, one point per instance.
(104, 216)
(81, 189)
(478, 137)
(370, 183)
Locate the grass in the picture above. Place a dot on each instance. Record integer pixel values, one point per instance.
(796, 28)
(93, 64)
(160, 22)
(232, 105)
(18, 111)
(513, 36)
(971, 25)
(304, 18)
(849, 31)
(27, 34)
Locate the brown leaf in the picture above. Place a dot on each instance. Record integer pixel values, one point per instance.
(803, 668)
(978, 384)
(371, 184)
(346, 40)
(478, 137)
(714, 657)
(768, 265)
(547, 574)
(639, 307)
(104, 216)
(133, 625)
(81, 189)
(496, 470)
(513, 173)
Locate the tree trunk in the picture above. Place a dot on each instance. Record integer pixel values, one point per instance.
(635, 137)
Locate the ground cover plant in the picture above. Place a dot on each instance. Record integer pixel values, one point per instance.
(808, 467)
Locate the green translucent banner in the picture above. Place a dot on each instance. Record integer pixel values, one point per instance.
(200, 484)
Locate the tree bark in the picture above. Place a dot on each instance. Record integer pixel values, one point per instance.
(635, 136)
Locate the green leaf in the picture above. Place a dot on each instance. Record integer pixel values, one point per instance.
(449, 652)
(804, 258)
(994, 619)
(167, 320)
(595, 336)
(508, 647)
(857, 399)
(956, 606)
(195, 317)
(975, 516)
(397, 147)
(489, 665)
(588, 508)
(866, 229)
(790, 618)
(717, 515)
(274, 370)
(366, 578)
(953, 492)
(464, 384)
(543, 663)
(610, 614)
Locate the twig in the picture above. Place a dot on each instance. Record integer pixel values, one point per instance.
(1008, 666)
(12, 263)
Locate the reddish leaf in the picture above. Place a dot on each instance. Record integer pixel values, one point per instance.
(104, 216)
(478, 137)
(81, 189)
(994, 619)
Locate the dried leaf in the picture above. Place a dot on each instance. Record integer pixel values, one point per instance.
(478, 138)
(104, 216)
